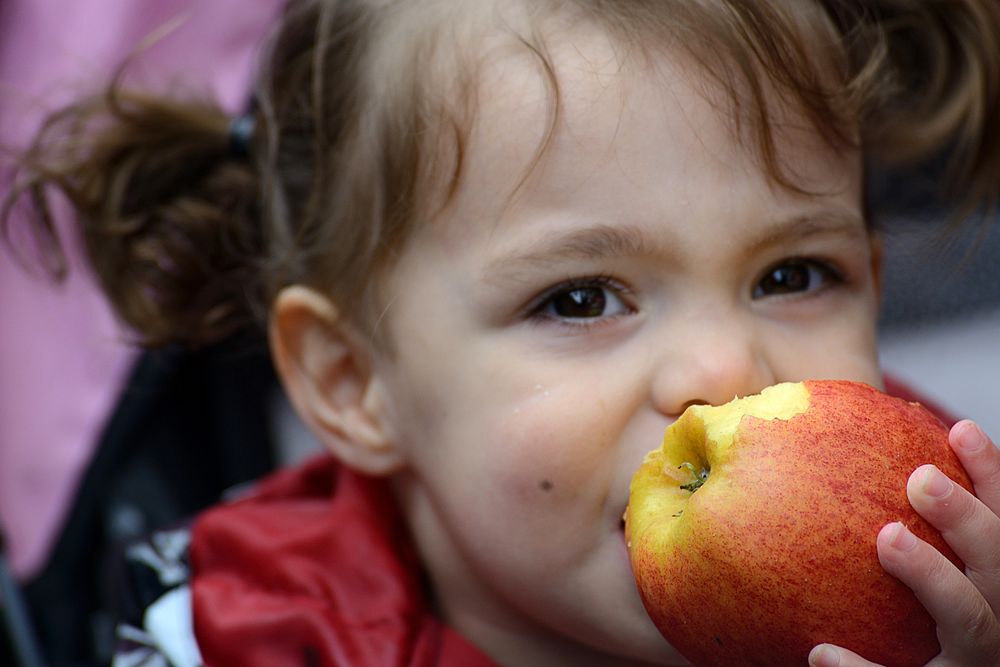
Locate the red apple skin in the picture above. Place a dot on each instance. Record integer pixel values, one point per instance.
(776, 552)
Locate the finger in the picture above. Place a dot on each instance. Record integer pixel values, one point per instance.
(966, 625)
(980, 458)
(969, 526)
(828, 655)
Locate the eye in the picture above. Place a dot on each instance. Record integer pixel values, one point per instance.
(796, 276)
(582, 301)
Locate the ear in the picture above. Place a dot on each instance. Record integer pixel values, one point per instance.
(327, 370)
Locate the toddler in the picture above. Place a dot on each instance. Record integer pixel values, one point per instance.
(499, 247)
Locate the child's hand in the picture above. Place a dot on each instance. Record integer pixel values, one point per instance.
(966, 606)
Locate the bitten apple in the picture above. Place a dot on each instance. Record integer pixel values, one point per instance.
(752, 530)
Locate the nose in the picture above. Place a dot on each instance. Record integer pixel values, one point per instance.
(710, 360)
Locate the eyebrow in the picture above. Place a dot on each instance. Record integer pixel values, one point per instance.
(600, 241)
(828, 222)
(582, 244)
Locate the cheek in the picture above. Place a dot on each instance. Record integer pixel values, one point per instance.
(554, 443)
(843, 350)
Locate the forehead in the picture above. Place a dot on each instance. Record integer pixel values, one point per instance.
(547, 123)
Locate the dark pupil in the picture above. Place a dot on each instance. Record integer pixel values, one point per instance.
(581, 302)
(792, 278)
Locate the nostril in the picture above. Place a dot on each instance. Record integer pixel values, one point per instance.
(691, 403)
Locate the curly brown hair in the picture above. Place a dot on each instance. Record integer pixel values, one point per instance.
(363, 109)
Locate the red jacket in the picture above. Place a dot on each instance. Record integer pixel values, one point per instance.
(315, 569)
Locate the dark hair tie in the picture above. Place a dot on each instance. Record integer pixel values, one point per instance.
(241, 135)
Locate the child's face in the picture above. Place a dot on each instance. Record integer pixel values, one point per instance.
(541, 344)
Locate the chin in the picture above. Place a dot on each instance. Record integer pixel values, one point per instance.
(629, 635)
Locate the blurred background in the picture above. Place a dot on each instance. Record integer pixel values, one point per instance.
(940, 321)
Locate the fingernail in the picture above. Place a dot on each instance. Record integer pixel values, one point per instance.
(934, 483)
(971, 438)
(900, 538)
(824, 655)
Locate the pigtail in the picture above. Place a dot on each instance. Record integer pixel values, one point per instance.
(166, 210)
(943, 101)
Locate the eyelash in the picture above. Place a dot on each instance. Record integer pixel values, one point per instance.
(536, 310)
(832, 276)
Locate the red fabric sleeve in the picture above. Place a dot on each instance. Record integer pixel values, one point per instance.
(315, 569)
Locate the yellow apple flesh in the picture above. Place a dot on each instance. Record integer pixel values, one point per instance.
(751, 531)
